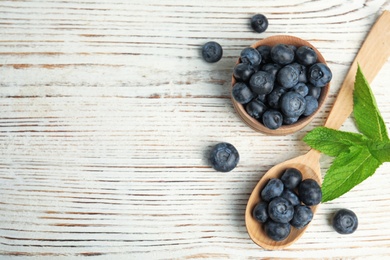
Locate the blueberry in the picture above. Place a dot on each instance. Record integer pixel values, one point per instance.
(262, 98)
(311, 105)
(212, 52)
(280, 210)
(261, 82)
(272, 119)
(288, 76)
(314, 91)
(273, 98)
(271, 68)
(256, 109)
(291, 196)
(265, 52)
(301, 88)
(309, 192)
(282, 54)
(259, 23)
(290, 120)
(224, 157)
(260, 212)
(291, 178)
(345, 221)
(302, 71)
(242, 93)
(272, 189)
(302, 216)
(292, 104)
(319, 74)
(251, 56)
(243, 71)
(306, 55)
(277, 231)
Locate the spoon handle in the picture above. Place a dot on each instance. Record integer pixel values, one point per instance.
(372, 55)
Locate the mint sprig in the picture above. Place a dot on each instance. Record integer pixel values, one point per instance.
(357, 155)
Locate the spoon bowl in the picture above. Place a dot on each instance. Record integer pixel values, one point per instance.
(301, 123)
(372, 55)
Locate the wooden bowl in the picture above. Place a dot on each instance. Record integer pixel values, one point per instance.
(302, 122)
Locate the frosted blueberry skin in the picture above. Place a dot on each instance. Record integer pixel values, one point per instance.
(273, 98)
(291, 178)
(345, 221)
(302, 216)
(272, 119)
(212, 52)
(309, 192)
(242, 93)
(256, 109)
(291, 196)
(288, 76)
(261, 82)
(224, 157)
(282, 54)
(251, 56)
(259, 23)
(280, 210)
(292, 104)
(306, 55)
(260, 212)
(319, 75)
(277, 231)
(243, 72)
(311, 105)
(272, 189)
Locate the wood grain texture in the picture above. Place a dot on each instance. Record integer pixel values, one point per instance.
(108, 113)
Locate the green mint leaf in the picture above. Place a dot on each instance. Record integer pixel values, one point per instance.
(380, 150)
(367, 116)
(333, 142)
(347, 170)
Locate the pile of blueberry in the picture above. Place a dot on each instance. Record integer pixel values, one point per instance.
(279, 84)
(286, 202)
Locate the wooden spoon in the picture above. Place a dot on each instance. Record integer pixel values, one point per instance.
(371, 57)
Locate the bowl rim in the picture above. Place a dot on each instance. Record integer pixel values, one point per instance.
(301, 123)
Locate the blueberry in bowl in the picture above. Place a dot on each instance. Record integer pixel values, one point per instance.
(289, 75)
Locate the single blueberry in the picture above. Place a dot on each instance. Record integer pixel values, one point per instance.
(243, 71)
(302, 216)
(319, 74)
(260, 212)
(309, 192)
(290, 120)
(292, 104)
(212, 52)
(256, 109)
(306, 55)
(272, 189)
(259, 23)
(282, 54)
(311, 105)
(277, 231)
(301, 88)
(280, 210)
(251, 56)
(288, 76)
(291, 196)
(273, 98)
(242, 93)
(265, 52)
(345, 221)
(302, 71)
(271, 68)
(314, 91)
(291, 178)
(261, 82)
(224, 157)
(272, 119)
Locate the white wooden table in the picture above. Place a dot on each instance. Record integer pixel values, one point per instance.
(108, 112)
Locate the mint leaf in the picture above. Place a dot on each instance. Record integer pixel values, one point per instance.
(380, 150)
(348, 170)
(365, 109)
(333, 142)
